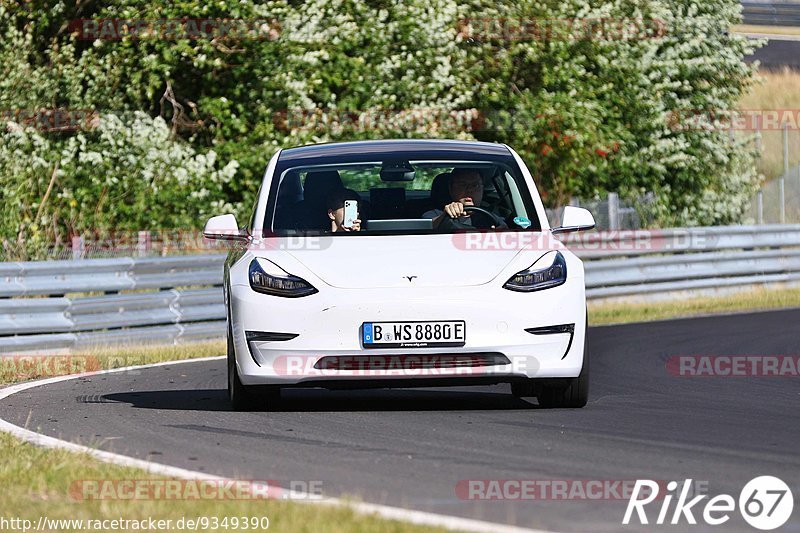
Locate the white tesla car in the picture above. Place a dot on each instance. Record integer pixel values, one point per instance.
(400, 264)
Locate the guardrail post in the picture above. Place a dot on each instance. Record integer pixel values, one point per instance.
(613, 211)
(758, 137)
(785, 148)
(143, 246)
(78, 247)
(760, 207)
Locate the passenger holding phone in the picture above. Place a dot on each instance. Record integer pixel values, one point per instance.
(343, 210)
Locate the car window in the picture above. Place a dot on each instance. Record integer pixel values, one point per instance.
(402, 197)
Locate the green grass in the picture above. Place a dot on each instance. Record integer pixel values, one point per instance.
(25, 368)
(37, 482)
(752, 300)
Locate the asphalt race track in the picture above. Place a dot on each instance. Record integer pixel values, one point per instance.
(777, 54)
(409, 448)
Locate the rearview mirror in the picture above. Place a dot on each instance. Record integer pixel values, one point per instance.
(223, 228)
(575, 219)
(397, 171)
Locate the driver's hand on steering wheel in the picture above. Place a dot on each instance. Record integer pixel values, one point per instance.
(456, 209)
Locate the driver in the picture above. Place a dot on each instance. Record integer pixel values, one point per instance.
(466, 189)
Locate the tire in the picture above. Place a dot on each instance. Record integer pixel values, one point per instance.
(237, 393)
(523, 389)
(247, 398)
(571, 393)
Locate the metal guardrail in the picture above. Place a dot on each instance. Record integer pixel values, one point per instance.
(57, 323)
(771, 13)
(672, 262)
(42, 308)
(107, 275)
(628, 243)
(40, 311)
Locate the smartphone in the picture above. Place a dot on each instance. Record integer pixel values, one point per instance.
(350, 213)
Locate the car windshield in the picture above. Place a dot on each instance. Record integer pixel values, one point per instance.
(401, 197)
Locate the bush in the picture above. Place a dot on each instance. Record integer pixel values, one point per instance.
(124, 176)
(592, 115)
(588, 115)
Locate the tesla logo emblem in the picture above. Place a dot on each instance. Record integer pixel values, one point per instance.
(410, 278)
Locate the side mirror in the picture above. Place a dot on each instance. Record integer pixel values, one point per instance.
(575, 219)
(223, 228)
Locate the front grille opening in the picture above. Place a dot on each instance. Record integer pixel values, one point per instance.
(411, 361)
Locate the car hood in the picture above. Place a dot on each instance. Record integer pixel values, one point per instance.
(354, 262)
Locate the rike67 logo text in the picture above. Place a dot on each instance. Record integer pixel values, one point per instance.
(765, 503)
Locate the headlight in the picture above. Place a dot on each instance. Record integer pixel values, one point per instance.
(268, 278)
(548, 272)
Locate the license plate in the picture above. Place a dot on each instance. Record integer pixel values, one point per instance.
(413, 334)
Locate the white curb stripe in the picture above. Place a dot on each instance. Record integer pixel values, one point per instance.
(385, 511)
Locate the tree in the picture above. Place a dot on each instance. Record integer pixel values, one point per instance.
(587, 98)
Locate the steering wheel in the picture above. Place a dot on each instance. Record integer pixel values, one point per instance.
(468, 208)
(485, 221)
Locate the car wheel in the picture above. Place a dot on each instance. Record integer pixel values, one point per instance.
(570, 393)
(247, 398)
(237, 394)
(523, 389)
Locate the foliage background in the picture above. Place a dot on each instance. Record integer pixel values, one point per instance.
(185, 127)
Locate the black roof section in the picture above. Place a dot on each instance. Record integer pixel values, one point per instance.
(386, 149)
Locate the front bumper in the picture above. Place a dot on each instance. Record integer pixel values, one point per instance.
(328, 324)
